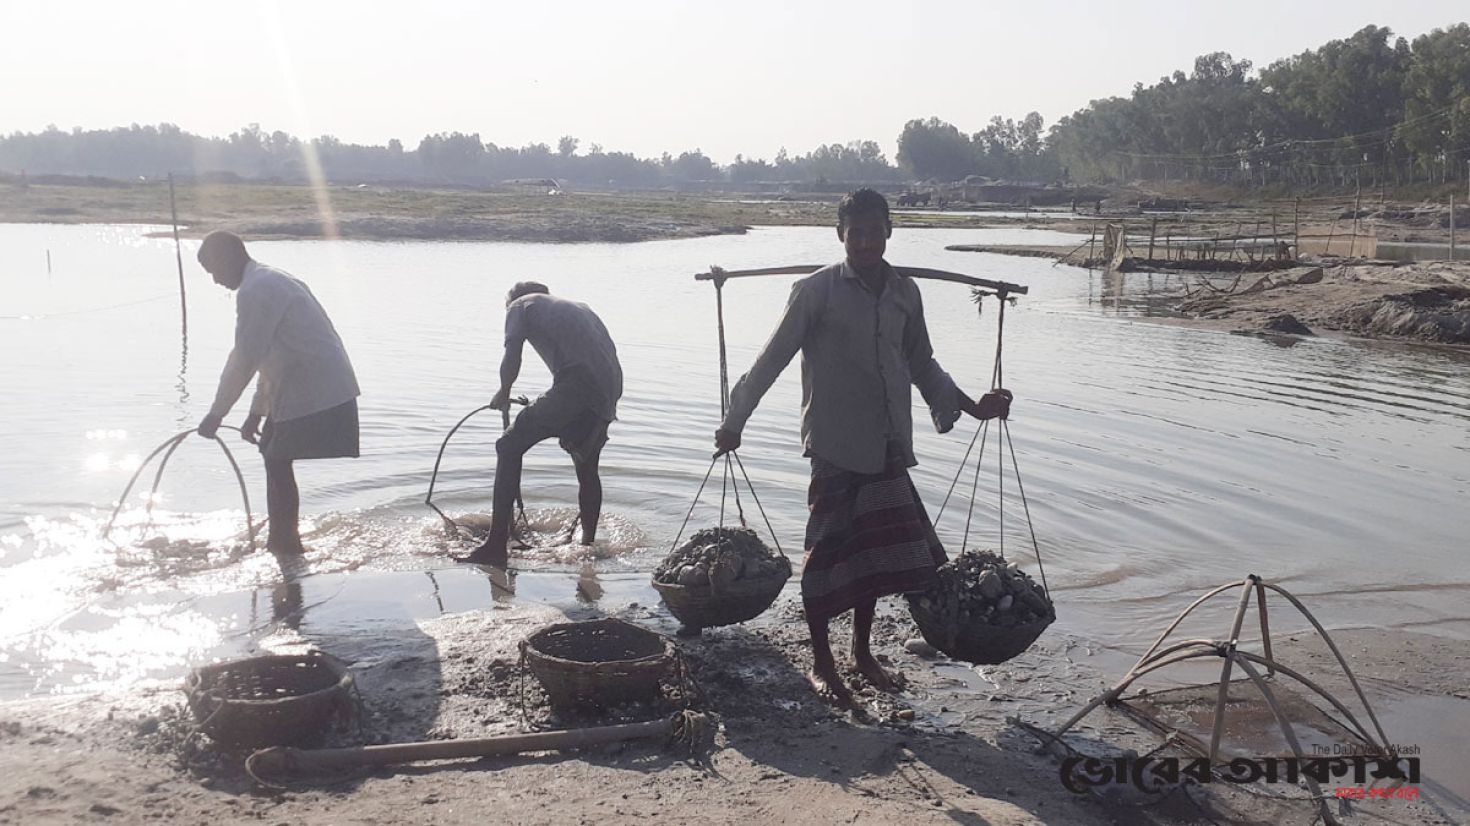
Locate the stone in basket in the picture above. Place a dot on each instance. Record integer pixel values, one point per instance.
(598, 663)
(274, 700)
(981, 609)
(721, 576)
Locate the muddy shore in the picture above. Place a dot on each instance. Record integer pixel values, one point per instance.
(943, 751)
(1426, 302)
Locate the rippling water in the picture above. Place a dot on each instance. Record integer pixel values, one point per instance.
(1158, 460)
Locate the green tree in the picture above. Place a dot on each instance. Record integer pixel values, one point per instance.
(935, 149)
(1436, 123)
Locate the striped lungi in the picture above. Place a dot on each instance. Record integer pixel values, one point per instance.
(867, 536)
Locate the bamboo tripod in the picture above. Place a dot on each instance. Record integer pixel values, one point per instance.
(1160, 656)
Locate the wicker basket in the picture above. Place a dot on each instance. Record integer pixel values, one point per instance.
(705, 607)
(979, 642)
(274, 700)
(598, 663)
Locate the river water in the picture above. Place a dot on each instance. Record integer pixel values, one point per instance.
(1158, 460)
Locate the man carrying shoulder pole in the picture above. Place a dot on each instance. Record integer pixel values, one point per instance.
(860, 329)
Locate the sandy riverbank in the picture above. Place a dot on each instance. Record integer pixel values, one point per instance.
(1426, 302)
(942, 752)
(1416, 301)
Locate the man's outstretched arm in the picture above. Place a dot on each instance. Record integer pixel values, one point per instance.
(783, 345)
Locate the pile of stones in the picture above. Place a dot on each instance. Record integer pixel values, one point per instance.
(719, 557)
(981, 588)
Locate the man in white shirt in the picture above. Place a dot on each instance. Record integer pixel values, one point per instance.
(307, 392)
(586, 383)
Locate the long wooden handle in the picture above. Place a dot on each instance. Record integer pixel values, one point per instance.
(279, 760)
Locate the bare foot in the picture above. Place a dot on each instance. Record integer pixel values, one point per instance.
(487, 554)
(829, 686)
(881, 679)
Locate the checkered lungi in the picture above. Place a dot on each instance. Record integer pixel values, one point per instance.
(867, 536)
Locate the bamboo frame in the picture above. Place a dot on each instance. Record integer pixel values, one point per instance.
(1160, 656)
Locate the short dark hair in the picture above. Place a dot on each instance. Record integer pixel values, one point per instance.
(223, 243)
(523, 288)
(863, 201)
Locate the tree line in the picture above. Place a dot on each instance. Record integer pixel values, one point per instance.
(1369, 109)
(444, 158)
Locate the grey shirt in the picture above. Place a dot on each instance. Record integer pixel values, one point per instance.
(283, 334)
(860, 351)
(573, 342)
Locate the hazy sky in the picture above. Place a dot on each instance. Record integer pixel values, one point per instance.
(646, 77)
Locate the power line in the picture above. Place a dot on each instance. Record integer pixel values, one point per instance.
(1291, 143)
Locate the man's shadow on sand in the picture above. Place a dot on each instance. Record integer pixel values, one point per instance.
(772, 718)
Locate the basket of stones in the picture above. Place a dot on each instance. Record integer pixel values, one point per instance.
(981, 609)
(272, 700)
(598, 663)
(721, 576)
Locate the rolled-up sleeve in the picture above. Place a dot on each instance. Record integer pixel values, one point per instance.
(773, 358)
(258, 312)
(935, 385)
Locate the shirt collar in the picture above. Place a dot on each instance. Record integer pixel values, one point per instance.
(846, 270)
(250, 270)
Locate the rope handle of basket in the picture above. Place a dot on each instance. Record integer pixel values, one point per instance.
(521, 676)
(728, 482)
(1004, 443)
(689, 689)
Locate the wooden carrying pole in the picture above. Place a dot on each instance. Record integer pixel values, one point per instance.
(281, 760)
(911, 272)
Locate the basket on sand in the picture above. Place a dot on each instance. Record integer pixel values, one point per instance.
(273, 700)
(721, 576)
(598, 663)
(981, 609)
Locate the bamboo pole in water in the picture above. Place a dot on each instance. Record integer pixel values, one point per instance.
(1357, 207)
(178, 255)
(1296, 229)
(1452, 227)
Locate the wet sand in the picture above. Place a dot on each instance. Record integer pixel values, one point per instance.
(941, 752)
